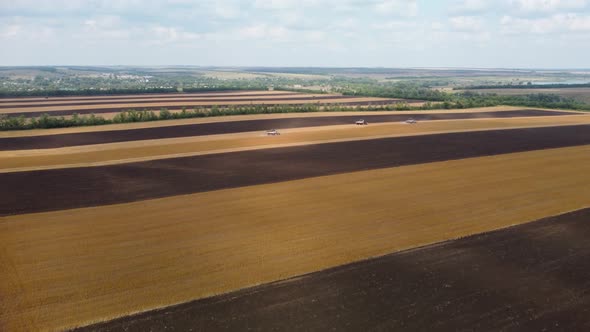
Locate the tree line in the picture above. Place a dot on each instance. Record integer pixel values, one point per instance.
(47, 121)
(526, 86)
(465, 99)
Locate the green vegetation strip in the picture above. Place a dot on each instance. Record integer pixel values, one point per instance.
(46, 121)
(467, 99)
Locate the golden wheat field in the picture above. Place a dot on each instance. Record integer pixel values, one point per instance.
(98, 223)
(70, 268)
(104, 154)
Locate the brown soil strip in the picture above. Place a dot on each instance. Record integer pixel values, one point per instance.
(99, 109)
(147, 95)
(57, 189)
(532, 277)
(226, 118)
(136, 151)
(89, 101)
(215, 128)
(75, 267)
(213, 101)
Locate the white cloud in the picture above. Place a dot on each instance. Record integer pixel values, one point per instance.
(394, 25)
(466, 23)
(292, 31)
(69, 6)
(103, 22)
(165, 34)
(226, 10)
(558, 23)
(470, 6)
(547, 6)
(10, 31)
(346, 23)
(20, 29)
(397, 7)
(285, 4)
(260, 31)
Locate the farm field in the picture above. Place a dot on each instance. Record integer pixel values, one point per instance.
(405, 291)
(134, 151)
(135, 217)
(145, 96)
(84, 187)
(215, 128)
(176, 122)
(65, 106)
(94, 264)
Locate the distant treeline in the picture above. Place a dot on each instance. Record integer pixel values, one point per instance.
(466, 99)
(541, 100)
(526, 86)
(46, 121)
(460, 101)
(109, 92)
(398, 90)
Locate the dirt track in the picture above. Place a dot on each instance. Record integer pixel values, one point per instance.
(532, 277)
(89, 138)
(81, 187)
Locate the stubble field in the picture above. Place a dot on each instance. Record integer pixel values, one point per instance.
(98, 230)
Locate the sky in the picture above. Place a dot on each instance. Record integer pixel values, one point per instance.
(329, 33)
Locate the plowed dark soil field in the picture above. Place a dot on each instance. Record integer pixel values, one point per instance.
(35, 191)
(101, 137)
(532, 277)
(327, 100)
(108, 99)
(213, 100)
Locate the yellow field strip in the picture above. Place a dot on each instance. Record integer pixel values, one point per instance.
(194, 95)
(185, 103)
(177, 98)
(352, 108)
(138, 125)
(117, 153)
(75, 267)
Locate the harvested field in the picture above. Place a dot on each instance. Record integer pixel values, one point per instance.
(135, 151)
(229, 118)
(90, 186)
(100, 108)
(149, 95)
(214, 128)
(89, 265)
(452, 286)
(140, 98)
(209, 100)
(133, 217)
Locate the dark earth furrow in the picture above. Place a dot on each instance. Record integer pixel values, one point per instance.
(114, 136)
(266, 102)
(107, 99)
(58, 189)
(256, 99)
(532, 277)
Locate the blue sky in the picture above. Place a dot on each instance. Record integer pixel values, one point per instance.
(387, 33)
